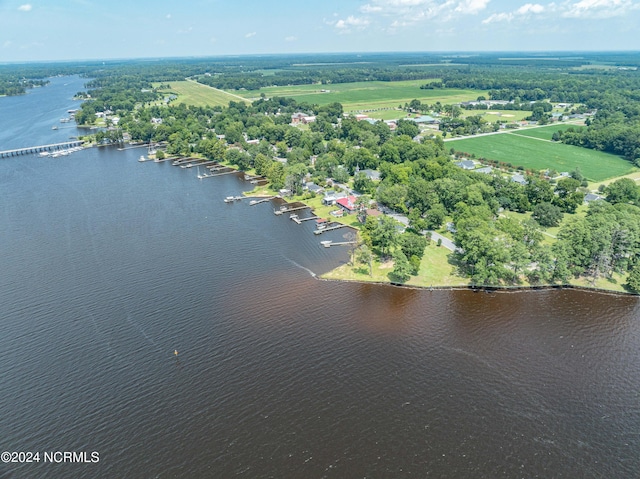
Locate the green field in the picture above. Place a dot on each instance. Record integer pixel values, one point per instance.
(360, 96)
(545, 132)
(197, 94)
(540, 154)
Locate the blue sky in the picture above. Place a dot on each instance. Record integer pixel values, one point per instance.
(35, 30)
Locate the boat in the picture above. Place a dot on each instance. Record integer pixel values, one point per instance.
(44, 154)
(229, 199)
(54, 127)
(142, 158)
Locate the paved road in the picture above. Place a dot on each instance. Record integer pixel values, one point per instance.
(446, 242)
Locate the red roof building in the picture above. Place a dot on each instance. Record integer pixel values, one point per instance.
(348, 204)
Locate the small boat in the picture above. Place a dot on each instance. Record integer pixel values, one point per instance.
(142, 158)
(229, 199)
(54, 127)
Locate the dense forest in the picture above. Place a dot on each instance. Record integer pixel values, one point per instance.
(418, 179)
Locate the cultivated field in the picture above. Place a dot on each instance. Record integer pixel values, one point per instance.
(359, 96)
(545, 132)
(197, 94)
(520, 148)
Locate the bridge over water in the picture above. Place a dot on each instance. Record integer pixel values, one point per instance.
(39, 149)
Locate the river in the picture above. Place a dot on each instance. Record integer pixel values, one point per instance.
(108, 265)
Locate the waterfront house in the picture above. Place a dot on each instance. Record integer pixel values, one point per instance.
(348, 203)
(330, 198)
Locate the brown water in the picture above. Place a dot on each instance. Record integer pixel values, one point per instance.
(108, 265)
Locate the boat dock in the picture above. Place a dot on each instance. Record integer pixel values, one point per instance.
(297, 219)
(288, 210)
(262, 200)
(42, 148)
(329, 244)
(329, 228)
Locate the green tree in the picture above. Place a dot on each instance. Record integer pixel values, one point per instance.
(623, 190)
(384, 235)
(402, 269)
(547, 215)
(633, 280)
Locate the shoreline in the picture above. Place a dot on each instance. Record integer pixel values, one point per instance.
(486, 289)
(260, 192)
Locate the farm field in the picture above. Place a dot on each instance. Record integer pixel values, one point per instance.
(545, 132)
(539, 154)
(196, 94)
(360, 96)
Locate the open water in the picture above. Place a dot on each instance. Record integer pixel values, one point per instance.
(108, 265)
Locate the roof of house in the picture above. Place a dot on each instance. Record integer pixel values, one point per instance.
(518, 178)
(466, 164)
(348, 202)
(591, 197)
(371, 174)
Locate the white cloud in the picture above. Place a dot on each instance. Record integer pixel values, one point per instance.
(471, 7)
(599, 8)
(290, 39)
(25, 8)
(168, 16)
(345, 26)
(403, 13)
(7, 44)
(522, 12)
(583, 9)
(250, 34)
(530, 8)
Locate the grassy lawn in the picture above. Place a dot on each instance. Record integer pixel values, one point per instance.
(435, 270)
(197, 94)
(538, 155)
(359, 96)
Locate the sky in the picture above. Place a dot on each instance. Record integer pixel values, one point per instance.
(52, 30)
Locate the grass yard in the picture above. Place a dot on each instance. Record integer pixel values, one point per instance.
(360, 96)
(539, 154)
(197, 94)
(492, 116)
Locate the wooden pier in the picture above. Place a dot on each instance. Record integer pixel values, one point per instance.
(39, 149)
(288, 210)
(298, 220)
(329, 228)
(329, 244)
(262, 200)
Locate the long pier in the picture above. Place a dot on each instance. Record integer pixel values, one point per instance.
(294, 217)
(330, 228)
(296, 208)
(39, 149)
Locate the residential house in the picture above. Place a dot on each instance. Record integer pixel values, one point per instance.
(348, 203)
(466, 164)
(518, 178)
(303, 118)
